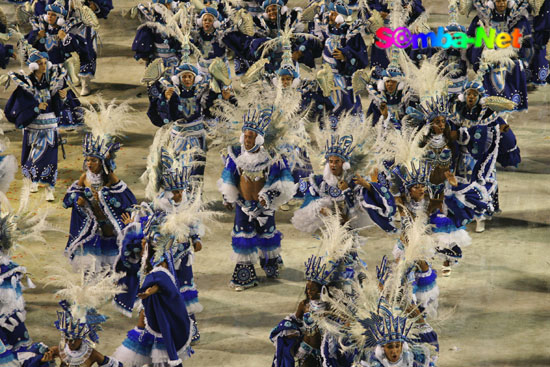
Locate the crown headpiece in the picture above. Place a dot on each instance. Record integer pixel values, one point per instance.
(100, 146)
(430, 108)
(177, 179)
(384, 328)
(258, 121)
(72, 328)
(417, 174)
(340, 146)
(316, 270)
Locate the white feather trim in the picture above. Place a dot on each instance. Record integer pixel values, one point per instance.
(230, 193)
(130, 358)
(308, 219)
(346, 166)
(380, 85)
(60, 21)
(339, 19)
(33, 66)
(286, 190)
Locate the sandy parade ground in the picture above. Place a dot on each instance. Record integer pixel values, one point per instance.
(495, 306)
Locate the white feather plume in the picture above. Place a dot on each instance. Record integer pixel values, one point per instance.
(108, 118)
(88, 288)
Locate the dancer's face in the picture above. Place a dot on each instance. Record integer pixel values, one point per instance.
(501, 5)
(438, 124)
(332, 17)
(74, 344)
(208, 22)
(336, 165)
(271, 12)
(51, 18)
(249, 139)
(177, 195)
(313, 290)
(93, 164)
(286, 81)
(390, 85)
(393, 351)
(187, 79)
(417, 192)
(42, 66)
(471, 97)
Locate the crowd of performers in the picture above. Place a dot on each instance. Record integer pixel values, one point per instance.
(307, 111)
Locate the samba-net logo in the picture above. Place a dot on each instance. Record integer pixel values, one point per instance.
(403, 38)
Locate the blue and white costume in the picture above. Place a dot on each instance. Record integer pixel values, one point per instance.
(98, 200)
(40, 134)
(254, 232)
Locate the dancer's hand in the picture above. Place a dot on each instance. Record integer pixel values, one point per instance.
(451, 178)
(169, 92)
(126, 218)
(384, 109)
(343, 185)
(197, 246)
(228, 206)
(262, 202)
(338, 55)
(361, 181)
(43, 105)
(41, 34)
(504, 128)
(61, 34)
(325, 211)
(81, 201)
(149, 292)
(63, 93)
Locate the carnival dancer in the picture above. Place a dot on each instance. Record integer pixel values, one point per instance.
(479, 142)
(346, 153)
(538, 67)
(86, 14)
(6, 51)
(209, 38)
(99, 198)
(36, 107)
(344, 51)
(16, 228)
(255, 181)
(79, 321)
(154, 39)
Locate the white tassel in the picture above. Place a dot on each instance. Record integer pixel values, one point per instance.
(259, 140)
(175, 80)
(217, 24)
(33, 66)
(50, 65)
(45, 16)
(490, 5)
(265, 15)
(284, 10)
(400, 86)
(295, 82)
(461, 97)
(339, 19)
(346, 166)
(60, 21)
(380, 85)
(199, 22)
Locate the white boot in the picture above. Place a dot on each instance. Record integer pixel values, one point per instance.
(85, 80)
(480, 225)
(49, 193)
(34, 187)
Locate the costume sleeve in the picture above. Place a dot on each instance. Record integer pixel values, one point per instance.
(144, 44)
(379, 204)
(285, 346)
(21, 108)
(228, 184)
(104, 7)
(6, 52)
(115, 201)
(356, 55)
(279, 187)
(308, 217)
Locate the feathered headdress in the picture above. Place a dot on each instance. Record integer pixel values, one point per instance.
(319, 271)
(177, 179)
(105, 122)
(82, 293)
(383, 328)
(430, 109)
(418, 172)
(340, 147)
